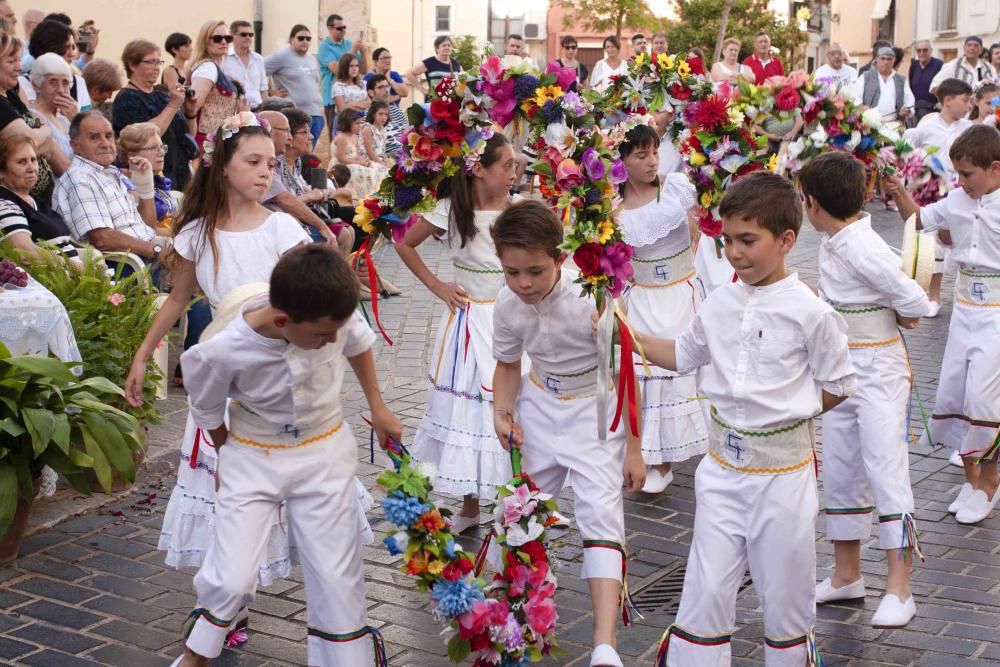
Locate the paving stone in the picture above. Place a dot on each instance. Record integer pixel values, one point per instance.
(57, 590)
(132, 611)
(58, 614)
(56, 638)
(120, 586)
(50, 658)
(115, 654)
(137, 635)
(11, 648)
(51, 568)
(120, 566)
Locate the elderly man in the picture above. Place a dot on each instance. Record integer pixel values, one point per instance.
(760, 61)
(836, 70)
(883, 89)
(970, 68)
(94, 197)
(659, 42)
(923, 69)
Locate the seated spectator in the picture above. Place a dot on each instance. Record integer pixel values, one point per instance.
(379, 91)
(373, 134)
(347, 150)
(51, 78)
(348, 91)
(143, 101)
(178, 46)
(24, 220)
(143, 140)
(103, 81)
(93, 195)
(52, 36)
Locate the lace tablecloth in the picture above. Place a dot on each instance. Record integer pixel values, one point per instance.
(34, 321)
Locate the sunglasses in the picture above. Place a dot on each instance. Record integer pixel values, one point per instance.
(570, 48)
(340, 27)
(219, 39)
(246, 34)
(304, 38)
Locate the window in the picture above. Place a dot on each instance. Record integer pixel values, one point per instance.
(946, 15)
(442, 18)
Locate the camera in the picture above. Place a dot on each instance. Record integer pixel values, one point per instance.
(189, 92)
(83, 43)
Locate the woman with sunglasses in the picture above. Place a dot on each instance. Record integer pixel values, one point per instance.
(570, 50)
(295, 74)
(214, 94)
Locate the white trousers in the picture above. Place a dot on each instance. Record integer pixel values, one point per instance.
(561, 447)
(766, 523)
(865, 458)
(316, 482)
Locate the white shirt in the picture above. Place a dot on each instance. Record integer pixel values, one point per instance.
(284, 384)
(974, 226)
(856, 267)
(843, 77)
(887, 95)
(555, 333)
(659, 227)
(479, 251)
(251, 75)
(934, 131)
(600, 77)
(764, 355)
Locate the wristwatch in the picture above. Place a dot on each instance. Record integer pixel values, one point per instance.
(157, 249)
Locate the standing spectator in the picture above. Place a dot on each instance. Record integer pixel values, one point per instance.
(611, 65)
(995, 57)
(883, 89)
(638, 44)
(103, 81)
(760, 62)
(513, 46)
(31, 19)
(244, 65)
(348, 91)
(659, 40)
(7, 12)
(923, 69)
(435, 68)
(383, 66)
(87, 37)
(836, 71)
(373, 133)
(141, 101)
(178, 46)
(50, 78)
(970, 68)
(53, 36)
(331, 50)
(570, 49)
(879, 43)
(378, 91)
(215, 95)
(729, 68)
(295, 73)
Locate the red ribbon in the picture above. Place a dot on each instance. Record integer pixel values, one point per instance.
(194, 450)
(626, 381)
(365, 251)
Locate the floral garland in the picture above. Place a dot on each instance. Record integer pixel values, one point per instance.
(924, 175)
(230, 127)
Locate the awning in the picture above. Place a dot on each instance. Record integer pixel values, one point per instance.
(881, 9)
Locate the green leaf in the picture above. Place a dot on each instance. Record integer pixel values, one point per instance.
(458, 649)
(103, 385)
(98, 407)
(4, 352)
(12, 427)
(41, 425)
(112, 444)
(61, 431)
(44, 366)
(79, 459)
(8, 495)
(101, 466)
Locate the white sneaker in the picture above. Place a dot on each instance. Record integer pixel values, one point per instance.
(893, 613)
(460, 524)
(977, 507)
(656, 481)
(934, 309)
(956, 459)
(963, 495)
(604, 655)
(825, 592)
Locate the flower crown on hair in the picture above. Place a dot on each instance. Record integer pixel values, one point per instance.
(618, 132)
(230, 127)
(475, 146)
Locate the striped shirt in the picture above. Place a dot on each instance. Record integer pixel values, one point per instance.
(89, 197)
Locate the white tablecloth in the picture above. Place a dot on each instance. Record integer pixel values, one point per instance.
(34, 321)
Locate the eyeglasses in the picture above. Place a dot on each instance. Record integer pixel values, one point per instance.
(159, 148)
(304, 130)
(219, 39)
(922, 50)
(280, 129)
(246, 34)
(152, 62)
(385, 57)
(303, 38)
(338, 28)
(382, 86)
(570, 48)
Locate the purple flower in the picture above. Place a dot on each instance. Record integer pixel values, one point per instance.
(594, 165)
(525, 86)
(617, 260)
(592, 197)
(406, 197)
(399, 230)
(618, 173)
(552, 112)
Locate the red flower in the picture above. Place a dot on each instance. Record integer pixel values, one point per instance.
(535, 551)
(786, 99)
(480, 642)
(749, 168)
(457, 569)
(588, 258)
(697, 67)
(444, 85)
(708, 114)
(679, 91)
(453, 134)
(709, 225)
(441, 109)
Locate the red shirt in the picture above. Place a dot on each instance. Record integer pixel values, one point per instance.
(763, 72)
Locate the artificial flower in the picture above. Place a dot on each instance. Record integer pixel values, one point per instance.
(665, 60)
(605, 230)
(455, 598)
(546, 93)
(516, 535)
(568, 175)
(787, 99)
(540, 613)
(457, 569)
(593, 164)
(431, 522)
(397, 542)
(116, 299)
(517, 505)
(588, 258)
(560, 137)
(426, 150)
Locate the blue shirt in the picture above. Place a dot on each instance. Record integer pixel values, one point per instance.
(330, 51)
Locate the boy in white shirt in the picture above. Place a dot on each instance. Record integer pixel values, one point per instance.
(940, 130)
(281, 361)
(967, 409)
(865, 451)
(770, 356)
(551, 413)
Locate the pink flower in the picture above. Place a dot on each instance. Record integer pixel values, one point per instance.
(502, 93)
(518, 505)
(399, 231)
(116, 299)
(540, 612)
(492, 69)
(798, 78)
(565, 76)
(568, 175)
(617, 260)
(524, 579)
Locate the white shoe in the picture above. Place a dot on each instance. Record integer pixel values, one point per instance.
(956, 459)
(561, 521)
(825, 592)
(892, 613)
(460, 524)
(963, 496)
(656, 481)
(605, 656)
(934, 309)
(977, 507)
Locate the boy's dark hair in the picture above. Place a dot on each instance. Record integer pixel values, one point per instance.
(952, 88)
(836, 180)
(980, 145)
(530, 225)
(341, 175)
(374, 80)
(767, 199)
(313, 281)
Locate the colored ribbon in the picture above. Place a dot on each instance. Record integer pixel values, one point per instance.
(605, 332)
(626, 380)
(365, 252)
(194, 450)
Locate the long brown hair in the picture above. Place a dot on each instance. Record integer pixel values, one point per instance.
(205, 197)
(461, 191)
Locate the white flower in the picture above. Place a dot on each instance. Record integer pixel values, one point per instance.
(818, 136)
(561, 137)
(732, 163)
(429, 470)
(872, 118)
(516, 536)
(855, 140)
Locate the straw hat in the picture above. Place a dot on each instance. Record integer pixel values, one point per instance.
(231, 305)
(918, 253)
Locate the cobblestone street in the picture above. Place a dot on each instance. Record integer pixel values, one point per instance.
(94, 590)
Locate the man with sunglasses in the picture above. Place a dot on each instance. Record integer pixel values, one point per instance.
(923, 69)
(331, 49)
(294, 73)
(245, 65)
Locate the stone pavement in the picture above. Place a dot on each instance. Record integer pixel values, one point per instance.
(94, 589)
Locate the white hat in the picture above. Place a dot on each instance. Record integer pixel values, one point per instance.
(231, 305)
(918, 253)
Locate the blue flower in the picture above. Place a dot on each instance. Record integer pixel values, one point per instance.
(454, 598)
(840, 140)
(866, 142)
(403, 510)
(450, 548)
(525, 86)
(406, 197)
(552, 112)
(397, 543)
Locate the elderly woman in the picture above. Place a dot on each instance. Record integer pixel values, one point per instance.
(51, 77)
(215, 96)
(55, 37)
(141, 100)
(434, 68)
(729, 68)
(103, 81)
(143, 140)
(24, 220)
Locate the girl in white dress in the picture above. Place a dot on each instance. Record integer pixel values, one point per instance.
(223, 240)
(662, 298)
(456, 433)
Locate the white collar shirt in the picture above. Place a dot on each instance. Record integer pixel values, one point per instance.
(89, 196)
(765, 355)
(251, 75)
(974, 226)
(934, 131)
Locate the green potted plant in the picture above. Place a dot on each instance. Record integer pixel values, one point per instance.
(49, 416)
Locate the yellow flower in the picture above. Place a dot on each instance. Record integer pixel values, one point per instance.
(640, 59)
(683, 69)
(607, 189)
(435, 567)
(665, 60)
(706, 200)
(772, 163)
(545, 93)
(697, 158)
(605, 230)
(413, 138)
(451, 150)
(361, 214)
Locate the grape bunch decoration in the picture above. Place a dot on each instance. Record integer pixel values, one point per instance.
(10, 274)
